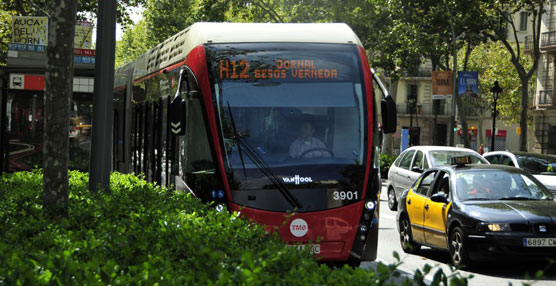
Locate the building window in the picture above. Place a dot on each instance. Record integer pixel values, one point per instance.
(523, 21)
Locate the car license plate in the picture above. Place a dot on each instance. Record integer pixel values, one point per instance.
(540, 242)
(315, 248)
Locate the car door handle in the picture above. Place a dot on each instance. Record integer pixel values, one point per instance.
(427, 207)
(409, 201)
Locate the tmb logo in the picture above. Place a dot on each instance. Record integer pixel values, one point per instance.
(299, 227)
(297, 179)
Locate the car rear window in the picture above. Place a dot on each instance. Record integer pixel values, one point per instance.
(440, 158)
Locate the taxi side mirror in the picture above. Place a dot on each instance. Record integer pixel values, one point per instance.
(417, 170)
(440, 198)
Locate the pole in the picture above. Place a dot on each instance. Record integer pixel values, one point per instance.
(454, 74)
(410, 123)
(101, 141)
(493, 125)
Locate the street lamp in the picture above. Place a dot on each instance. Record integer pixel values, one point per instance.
(496, 90)
(412, 102)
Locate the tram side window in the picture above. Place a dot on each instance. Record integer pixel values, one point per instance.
(197, 155)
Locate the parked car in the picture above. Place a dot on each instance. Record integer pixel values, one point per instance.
(478, 212)
(415, 160)
(541, 166)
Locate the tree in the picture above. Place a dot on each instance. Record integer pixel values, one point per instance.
(58, 76)
(58, 82)
(498, 16)
(493, 62)
(133, 43)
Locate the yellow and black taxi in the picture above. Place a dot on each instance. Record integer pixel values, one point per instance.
(478, 212)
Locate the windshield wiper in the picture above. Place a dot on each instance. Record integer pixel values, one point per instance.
(478, 199)
(260, 163)
(237, 135)
(518, 199)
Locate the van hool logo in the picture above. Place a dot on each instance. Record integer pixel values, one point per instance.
(297, 180)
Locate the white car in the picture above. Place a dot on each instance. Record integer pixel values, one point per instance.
(541, 166)
(415, 160)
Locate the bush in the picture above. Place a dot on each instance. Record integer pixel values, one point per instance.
(139, 234)
(386, 161)
(142, 234)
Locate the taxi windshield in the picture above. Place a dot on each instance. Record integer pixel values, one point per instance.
(483, 184)
(443, 157)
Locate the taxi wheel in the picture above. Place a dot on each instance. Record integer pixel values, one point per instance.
(458, 248)
(392, 203)
(406, 239)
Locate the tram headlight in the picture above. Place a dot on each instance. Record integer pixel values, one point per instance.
(220, 207)
(370, 205)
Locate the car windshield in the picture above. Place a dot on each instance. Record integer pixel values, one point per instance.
(442, 157)
(537, 164)
(484, 184)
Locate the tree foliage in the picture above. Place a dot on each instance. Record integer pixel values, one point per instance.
(493, 62)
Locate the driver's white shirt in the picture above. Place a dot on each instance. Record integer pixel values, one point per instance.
(301, 145)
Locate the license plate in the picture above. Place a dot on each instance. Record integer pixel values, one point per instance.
(540, 242)
(315, 248)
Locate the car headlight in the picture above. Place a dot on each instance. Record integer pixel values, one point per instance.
(494, 227)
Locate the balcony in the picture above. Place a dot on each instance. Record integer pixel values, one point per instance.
(528, 45)
(545, 98)
(427, 109)
(422, 109)
(548, 41)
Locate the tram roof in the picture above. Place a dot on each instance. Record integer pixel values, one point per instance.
(176, 48)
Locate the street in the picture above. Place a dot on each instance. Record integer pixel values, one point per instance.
(497, 273)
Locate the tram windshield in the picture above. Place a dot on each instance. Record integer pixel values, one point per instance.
(301, 126)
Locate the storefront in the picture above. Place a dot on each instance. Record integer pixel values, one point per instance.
(22, 108)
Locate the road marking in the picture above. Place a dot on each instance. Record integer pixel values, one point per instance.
(390, 217)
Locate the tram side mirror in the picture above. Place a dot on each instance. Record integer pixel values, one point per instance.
(387, 107)
(176, 112)
(389, 114)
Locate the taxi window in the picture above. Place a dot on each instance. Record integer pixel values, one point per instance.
(425, 183)
(443, 185)
(398, 160)
(418, 162)
(505, 160)
(406, 160)
(493, 159)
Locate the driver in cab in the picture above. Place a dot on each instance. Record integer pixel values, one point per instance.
(307, 146)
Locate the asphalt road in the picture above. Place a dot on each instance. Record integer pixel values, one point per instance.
(491, 274)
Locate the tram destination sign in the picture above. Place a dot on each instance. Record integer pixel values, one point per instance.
(279, 69)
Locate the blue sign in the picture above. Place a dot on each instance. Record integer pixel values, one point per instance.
(83, 60)
(26, 47)
(405, 139)
(220, 194)
(468, 83)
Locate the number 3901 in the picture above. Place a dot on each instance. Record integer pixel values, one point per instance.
(345, 195)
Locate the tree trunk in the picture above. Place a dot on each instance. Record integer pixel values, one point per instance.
(387, 139)
(523, 115)
(59, 84)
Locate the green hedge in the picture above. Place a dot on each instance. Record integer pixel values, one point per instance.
(386, 161)
(143, 235)
(139, 234)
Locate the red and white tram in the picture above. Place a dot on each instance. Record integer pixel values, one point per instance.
(277, 121)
